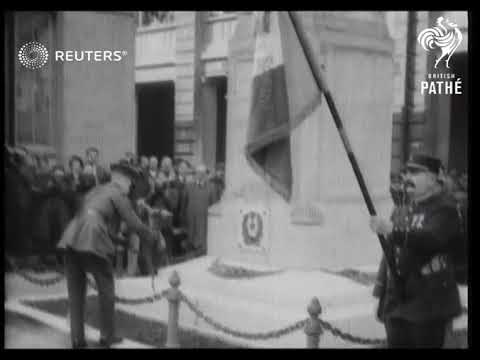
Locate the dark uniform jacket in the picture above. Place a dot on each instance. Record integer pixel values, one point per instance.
(54, 213)
(421, 242)
(93, 229)
(198, 197)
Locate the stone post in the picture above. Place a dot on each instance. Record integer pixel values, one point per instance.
(173, 297)
(313, 328)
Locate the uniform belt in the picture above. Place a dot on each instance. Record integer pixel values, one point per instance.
(436, 264)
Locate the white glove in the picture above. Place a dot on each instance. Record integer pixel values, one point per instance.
(161, 245)
(380, 225)
(165, 213)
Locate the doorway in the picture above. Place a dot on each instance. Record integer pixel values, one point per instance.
(458, 148)
(155, 119)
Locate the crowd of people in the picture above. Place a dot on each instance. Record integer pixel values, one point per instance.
(158, 214)
(43, 196)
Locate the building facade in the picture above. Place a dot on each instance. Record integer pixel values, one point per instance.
(170, 95)
(66, 106)
(193, 58)
(436, 123)
(181, 83)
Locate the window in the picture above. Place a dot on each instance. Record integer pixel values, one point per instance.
(220, 13)
(153, 18)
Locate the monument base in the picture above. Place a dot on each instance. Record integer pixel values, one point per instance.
(261, 304)
(252, 304)
(329, 235)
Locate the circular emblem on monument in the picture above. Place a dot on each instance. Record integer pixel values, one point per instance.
(252, 228)
(33, 55)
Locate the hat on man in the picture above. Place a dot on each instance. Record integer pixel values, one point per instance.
(56, 169)
(426, 163)
(91, 149)
(124, 168)
(75, 158)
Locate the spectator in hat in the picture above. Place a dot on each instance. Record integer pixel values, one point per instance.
(88, 243)
(218, 180)
(153, 166)
(199, 195)
(144, 163)
(131, 158)
(93, 167)
(166, 175)
(159, 217)
(417, 310)
(139, 252)
(79, 182)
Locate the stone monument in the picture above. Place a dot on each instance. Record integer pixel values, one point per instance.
(325, 225)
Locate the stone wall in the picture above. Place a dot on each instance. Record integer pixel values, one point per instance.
(96, 99)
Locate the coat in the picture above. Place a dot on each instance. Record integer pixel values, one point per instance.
(101, 175)
(18, 215)
(98, 221)
(197, 200)
(54, 213)
(421, 234)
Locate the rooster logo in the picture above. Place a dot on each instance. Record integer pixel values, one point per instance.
(445, 36)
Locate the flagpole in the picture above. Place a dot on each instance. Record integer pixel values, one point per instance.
(322, 86)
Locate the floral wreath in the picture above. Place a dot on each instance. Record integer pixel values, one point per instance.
(227, 271)
(247, 238)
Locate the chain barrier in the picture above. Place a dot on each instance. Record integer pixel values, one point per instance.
(37, 281)
(245, 335)
(349, 337)
(281, 332)
(274, 334)
(138, 301)
(57, 279)
(285, 331)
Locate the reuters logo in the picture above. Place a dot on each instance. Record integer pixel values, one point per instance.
(33, 55)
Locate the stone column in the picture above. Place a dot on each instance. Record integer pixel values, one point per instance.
(326, 223)
(209, 123)
(188, 85)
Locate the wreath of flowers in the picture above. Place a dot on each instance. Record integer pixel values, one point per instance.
(246, 236)
(227, 271)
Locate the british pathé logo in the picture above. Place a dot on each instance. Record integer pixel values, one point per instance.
(445, 36)
(441, 84)
(33, 55)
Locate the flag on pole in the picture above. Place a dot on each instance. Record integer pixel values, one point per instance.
(284, 94)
